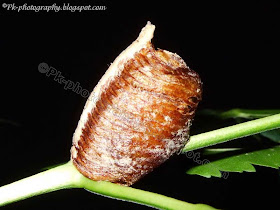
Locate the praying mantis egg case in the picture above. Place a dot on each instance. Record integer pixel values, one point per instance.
(138, 115)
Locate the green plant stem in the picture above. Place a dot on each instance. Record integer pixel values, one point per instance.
(232, 132)
(139, 196)
(67, 176)
(61, 177)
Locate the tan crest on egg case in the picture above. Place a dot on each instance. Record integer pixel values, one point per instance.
(141, 115)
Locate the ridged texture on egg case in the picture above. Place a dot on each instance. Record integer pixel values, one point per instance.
(140, 115)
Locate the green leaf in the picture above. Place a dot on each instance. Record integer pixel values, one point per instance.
(241, 115)
(273, 135)
(9, 122)
(218, 150)
(248, 113)
(243, 161)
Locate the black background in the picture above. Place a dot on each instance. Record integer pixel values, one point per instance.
(233, 46)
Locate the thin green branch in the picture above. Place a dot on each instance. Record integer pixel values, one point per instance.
(67, 176)
(233, 132)
(139, 196)
(61, 177)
